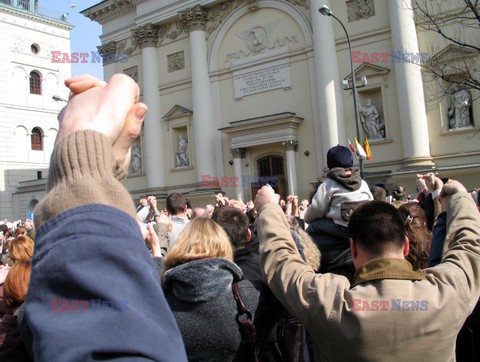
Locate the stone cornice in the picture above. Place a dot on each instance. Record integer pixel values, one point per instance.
(110, 9)
(35, 17)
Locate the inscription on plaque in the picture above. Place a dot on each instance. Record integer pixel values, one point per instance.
(262, 80)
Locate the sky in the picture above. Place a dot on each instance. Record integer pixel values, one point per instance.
(84, 37)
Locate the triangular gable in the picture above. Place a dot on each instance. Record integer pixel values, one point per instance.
(177, 112)
(368, 70)
(451, 53)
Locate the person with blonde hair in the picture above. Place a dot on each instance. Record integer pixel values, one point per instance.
(21, 248)
(198, 277)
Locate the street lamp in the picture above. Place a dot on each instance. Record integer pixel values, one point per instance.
(325, 11)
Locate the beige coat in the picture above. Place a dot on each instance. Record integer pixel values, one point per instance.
(406, 316)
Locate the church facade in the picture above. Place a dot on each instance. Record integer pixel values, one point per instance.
(244, 92)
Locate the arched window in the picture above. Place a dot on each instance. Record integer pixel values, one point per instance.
(35, 82)
(37, 139)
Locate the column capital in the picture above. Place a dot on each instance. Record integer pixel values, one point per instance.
(108, 52)
(238, 152)
(194, 18)
(146, 36)
(290, 145)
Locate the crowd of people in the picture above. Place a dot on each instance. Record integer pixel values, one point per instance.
(353, 273)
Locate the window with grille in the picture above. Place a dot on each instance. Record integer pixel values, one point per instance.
(37, 139)
(35, 83)
(270, 166)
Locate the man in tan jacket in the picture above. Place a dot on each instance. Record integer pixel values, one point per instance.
(390, 312)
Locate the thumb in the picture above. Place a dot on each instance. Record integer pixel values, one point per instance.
(130, 132)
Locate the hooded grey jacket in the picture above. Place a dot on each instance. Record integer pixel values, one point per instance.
(339, 187)
(200, 295)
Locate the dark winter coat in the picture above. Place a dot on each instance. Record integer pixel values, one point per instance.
(200, 295)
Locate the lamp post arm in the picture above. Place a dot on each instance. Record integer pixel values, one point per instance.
(354, 90)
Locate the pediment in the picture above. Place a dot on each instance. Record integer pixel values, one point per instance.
(453, 53)
(177, 112)
(368, 70)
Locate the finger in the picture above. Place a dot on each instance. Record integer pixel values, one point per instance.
(130, 132)
(86, 84)
(124, 87)
(81, 78)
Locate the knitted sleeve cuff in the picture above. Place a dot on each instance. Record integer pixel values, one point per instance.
(83, 171)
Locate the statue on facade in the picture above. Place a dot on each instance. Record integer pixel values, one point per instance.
(136, 158)
(459, 111)
(372, 123)
(181, 158)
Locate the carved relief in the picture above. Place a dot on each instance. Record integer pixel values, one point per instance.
(132, 72)
(176, 61)
(257, 40)
(360, 9)
(122, 46)
(257, 37)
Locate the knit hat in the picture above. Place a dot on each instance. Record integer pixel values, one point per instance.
(339, 156)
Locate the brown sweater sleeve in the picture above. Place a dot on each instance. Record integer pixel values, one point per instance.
(82, 172)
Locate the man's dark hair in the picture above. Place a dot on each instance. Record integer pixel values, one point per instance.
(235, 224)
(379, 193)
(176, 203)
(377, 226)
(4, 228)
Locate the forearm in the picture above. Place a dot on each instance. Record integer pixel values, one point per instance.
(462, 242)
(287, 275)
(82, 172)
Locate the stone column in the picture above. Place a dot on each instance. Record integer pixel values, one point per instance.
(194, 21)
(328, 82)
(408, 78)
(291, 147)
(238, 154)
(147, 37)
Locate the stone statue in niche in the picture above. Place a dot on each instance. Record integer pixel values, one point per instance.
(459, 111)
(136, 166)
(372, 123)
(181, 158)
